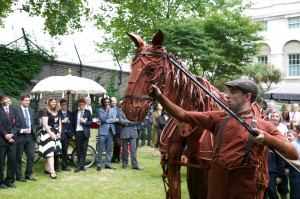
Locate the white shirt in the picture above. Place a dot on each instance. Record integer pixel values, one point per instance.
(79, 115)
(283, 129)
(294, 117)
(23, 110)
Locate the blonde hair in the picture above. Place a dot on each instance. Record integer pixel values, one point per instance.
(292, 132)
(50, 109)
(280, 115)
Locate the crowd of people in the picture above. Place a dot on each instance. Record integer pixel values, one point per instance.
(281, 176)
(58, 125)
(117, 137)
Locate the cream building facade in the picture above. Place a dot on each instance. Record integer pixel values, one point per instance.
(281, 49)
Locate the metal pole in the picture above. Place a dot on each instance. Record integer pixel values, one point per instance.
(26, 40)
(80, 71)
(221, 103)
(120, 73)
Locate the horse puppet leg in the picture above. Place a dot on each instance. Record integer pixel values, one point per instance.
(171, 149)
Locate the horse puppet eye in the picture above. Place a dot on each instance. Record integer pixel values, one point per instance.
(152, 70)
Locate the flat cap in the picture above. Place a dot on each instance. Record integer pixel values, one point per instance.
(246, 85)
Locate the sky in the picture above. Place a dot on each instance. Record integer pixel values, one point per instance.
(64, 45)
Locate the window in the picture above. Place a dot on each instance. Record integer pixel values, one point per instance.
(294, 65)
(262, 59)
(294, 22)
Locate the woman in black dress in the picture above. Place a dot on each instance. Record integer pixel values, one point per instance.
(50, 135)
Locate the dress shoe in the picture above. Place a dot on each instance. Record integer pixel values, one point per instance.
(109, 167)
(21, 180)
(29, 177)
(53, 176)
(58, 170)
(83, 168)
(47, 172)
(124, 166)
(11, 185)
(77, 169)
(3, 186)
(98, 168)
(66, 169)
(137, 168)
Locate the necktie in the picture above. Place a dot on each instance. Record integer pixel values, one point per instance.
(26, 118)
(294, 115)
(65, 114)
(7, 112)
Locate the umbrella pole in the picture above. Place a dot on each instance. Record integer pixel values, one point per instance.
(68, 93)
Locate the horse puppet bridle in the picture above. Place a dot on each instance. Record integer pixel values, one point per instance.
(161, 82)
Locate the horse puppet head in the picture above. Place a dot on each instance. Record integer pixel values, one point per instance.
(147, 67)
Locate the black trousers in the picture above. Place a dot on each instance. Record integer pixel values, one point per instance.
(64, 153)
(116, 148)
(27, 145)
(9, 151)
(81, 146)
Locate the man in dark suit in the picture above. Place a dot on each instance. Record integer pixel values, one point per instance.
(26, 138)
(8, 140)
(82, 120)
(66, 132)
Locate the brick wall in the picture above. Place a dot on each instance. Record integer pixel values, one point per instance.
(100, 75)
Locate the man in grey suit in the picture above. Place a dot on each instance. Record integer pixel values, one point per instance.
(106, 131)
(129, 135)
(26, 138)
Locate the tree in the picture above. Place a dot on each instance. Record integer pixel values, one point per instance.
(223, 40)
(144, 18)
(264, 76)
(217, 47)
(61, 17)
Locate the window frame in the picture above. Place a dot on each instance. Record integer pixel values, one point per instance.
(294, 61)
(294, 22)
(262, 59)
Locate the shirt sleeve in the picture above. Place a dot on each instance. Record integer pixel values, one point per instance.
(206, 120)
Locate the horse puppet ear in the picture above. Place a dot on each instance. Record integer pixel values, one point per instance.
(158, 38)
(136, 39)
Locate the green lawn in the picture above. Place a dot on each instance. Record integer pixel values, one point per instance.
(106, 184)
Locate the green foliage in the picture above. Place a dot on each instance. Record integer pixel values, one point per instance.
(111, 90)
(15, 102)
(263, 74)
(18, 68)
(146, 17)
(217, 47)
(61, 17)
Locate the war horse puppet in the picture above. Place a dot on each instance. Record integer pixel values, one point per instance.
(152, 65)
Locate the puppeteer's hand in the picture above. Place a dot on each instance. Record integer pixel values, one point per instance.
(154, 91)
(261, 136)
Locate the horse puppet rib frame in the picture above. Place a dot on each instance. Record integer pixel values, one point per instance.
(153, 65)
